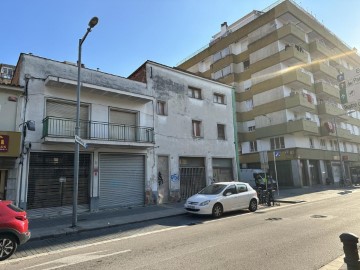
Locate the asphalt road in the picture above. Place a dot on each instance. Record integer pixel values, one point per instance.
(300, 236)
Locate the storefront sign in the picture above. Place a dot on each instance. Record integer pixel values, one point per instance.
(4, 143)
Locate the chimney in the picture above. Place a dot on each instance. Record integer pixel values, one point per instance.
(224, 28)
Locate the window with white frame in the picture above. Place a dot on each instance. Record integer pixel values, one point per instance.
(277, 143)
(196, 128)
(251, 128)
(221, 131)
(253, 146)
(194, 92)
(219, 98)
(161, 107)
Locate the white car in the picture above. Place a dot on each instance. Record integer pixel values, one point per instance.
(221, 197)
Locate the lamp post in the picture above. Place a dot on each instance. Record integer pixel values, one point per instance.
(91, 24)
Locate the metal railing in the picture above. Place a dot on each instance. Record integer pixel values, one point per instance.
(93, 130)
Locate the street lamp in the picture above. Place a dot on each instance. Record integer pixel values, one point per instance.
(92, 24)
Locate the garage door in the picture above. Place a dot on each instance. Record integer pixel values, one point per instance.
(122, 180)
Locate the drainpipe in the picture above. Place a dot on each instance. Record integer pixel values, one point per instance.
(235, 133)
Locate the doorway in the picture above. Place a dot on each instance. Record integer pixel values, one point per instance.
(3, 184)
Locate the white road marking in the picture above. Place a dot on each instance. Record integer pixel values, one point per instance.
(75, 259)
(119, 239)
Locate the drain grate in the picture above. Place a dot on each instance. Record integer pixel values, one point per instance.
(318, 216)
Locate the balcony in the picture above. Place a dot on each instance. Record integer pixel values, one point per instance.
(293, 78)
(324, 90)
(327, 110)
(301, 126)
(63, 130)
(292, 34)
(324, 71)
(319, 49)
(343, 134)
(293, 55)
(300, 103)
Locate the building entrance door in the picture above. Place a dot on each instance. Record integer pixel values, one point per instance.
(2, 184)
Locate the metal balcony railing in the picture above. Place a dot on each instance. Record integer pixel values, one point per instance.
(93, 130)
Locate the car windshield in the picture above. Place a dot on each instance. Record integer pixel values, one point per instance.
(213, 189)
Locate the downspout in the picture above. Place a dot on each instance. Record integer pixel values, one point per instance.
(23, 132)
(235, 134)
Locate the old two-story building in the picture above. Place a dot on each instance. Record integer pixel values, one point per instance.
(194, 130)
(148, 140)
(11, 129)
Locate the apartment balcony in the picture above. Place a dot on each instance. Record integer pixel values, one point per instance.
(301, 126)
(323, 71)
(300, 103)
(247, 136)
(223, 62)
(320, 50)
(293, 55)
(325, 90)
(327, 110)
(343, 134)
(296, 79)
(291, 34)
(61, 130)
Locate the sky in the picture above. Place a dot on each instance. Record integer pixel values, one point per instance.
(130, 32)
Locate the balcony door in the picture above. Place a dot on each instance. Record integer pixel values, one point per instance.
(122, 125)
(61, 119)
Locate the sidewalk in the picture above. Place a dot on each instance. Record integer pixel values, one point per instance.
(48, 227)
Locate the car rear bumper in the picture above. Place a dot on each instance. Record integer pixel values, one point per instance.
(24, 237)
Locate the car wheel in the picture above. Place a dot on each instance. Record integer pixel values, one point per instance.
(253, 205)
(217, 210)
(8, 246)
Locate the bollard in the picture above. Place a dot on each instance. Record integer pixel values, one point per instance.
(350, 241)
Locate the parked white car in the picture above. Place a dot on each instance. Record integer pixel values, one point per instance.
(221, 197)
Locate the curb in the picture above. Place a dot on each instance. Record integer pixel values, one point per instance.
(79, 229)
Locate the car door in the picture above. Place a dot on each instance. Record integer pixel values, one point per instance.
(242, 197)
(229, 198)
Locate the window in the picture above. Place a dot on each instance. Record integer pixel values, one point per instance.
(194, 92)
(311, 141)
(276, 143)
(336, 146)
(196, 126)
(344, 144)
(323, 143)
(219, 98)
(249, 104)
(253, 146)
(246, 64)
(221, 131)
(161, 107)
(251, 128)
(6, 73)
(241, 188)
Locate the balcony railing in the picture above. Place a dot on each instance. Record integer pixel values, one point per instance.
(92, 130)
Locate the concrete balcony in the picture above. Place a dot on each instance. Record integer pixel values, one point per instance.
(247, 136)
(293, 78)
(343, 134)
(324, 90)
(324, 71)
(301, 126)
(299, 103)
(223, 62)
(326, 110)
(291, 34)
(320, 50)
(292, 56)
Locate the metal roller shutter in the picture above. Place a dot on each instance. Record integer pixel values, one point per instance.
(65, 110)
(45, 189)
(122, 180)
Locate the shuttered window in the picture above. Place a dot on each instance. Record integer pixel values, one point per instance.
(122, 125)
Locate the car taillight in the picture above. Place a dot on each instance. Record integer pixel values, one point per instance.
(22, 218)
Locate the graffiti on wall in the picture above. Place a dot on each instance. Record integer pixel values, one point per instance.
(174, 177)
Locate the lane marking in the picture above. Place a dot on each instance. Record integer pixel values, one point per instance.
(76, 259)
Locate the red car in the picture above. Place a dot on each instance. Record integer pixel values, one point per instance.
(13, 228)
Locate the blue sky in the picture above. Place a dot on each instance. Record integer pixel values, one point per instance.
(133, 31)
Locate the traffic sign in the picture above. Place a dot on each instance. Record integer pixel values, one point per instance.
(80, 141)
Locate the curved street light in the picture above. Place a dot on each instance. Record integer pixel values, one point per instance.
(92, 23)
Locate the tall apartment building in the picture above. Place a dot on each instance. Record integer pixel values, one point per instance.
(283, 64)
